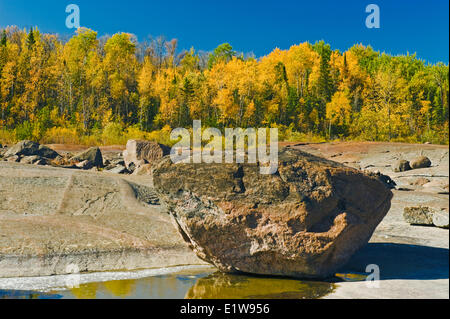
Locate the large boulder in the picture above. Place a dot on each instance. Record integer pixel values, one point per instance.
(305, 221)
(30, 148)
(144, 152)
(93, 155)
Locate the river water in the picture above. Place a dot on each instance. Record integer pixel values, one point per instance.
(168, 283)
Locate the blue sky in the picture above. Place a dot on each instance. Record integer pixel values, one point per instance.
(252, 26)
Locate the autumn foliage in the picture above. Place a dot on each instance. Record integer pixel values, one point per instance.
(103, 90)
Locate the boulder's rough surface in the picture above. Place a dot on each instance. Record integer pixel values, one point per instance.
(306, 221)
(30, 148)
(402, 166)
(93, 155)
(143, 152)
(420, 162)
(420, 215)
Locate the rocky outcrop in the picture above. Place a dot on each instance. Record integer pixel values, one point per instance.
(93, 155)
(30, 148)
(139, 153)
(305, 221)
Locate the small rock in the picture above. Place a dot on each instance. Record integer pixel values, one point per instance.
(418, 215)
(85, 165)
(336, 155)
(119, 169)
(113, 163)
(132, 167)
(42, 162)
(386, 180)
(93, 155)
(404, 189)
(30, 159)
(420, 162)
(13, 158)
(145, 169)
(402, 166)
(47, 152)
(440, 219)
(138, 151)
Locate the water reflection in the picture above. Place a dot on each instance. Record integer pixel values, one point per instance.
(173, 286)
(226, 286)
(190, 285)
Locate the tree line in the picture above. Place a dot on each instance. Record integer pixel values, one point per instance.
(88, 83)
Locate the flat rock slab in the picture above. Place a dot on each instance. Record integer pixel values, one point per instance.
(54, 218)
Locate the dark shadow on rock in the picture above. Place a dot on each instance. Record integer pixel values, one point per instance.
(401, 261)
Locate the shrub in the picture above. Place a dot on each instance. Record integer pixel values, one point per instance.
(24, 131)
(61, 135)
(113, 134)
(7, 137)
